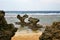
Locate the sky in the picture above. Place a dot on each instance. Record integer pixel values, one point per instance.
(30, 5)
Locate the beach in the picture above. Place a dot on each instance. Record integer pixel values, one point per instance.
(27, 36)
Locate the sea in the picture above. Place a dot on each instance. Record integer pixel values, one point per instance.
(46, 18)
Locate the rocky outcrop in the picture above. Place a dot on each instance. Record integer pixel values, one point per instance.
(51, 32)
(32, 24)
(7, 31)
(22, 20)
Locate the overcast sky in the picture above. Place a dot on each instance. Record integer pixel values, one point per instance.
(29, 5)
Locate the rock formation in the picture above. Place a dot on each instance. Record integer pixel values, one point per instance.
(7, 31)
(32, 24)
(22, 20)
(51, 32)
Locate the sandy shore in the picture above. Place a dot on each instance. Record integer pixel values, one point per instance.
(27, 36)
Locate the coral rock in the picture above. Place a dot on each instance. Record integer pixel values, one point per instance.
(51, 32)
(7, 31)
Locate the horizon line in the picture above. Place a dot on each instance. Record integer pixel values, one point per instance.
(32, 11)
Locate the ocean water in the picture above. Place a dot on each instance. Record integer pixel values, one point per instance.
(45, 19)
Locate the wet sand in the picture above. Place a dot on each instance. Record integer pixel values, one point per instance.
(27, 36)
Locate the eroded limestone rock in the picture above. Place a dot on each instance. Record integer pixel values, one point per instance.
(7, 31)
(32, 24)
(51, 32)
(22, 20)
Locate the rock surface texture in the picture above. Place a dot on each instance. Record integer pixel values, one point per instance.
(51, 32)
(7, 31)
(32, 24)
